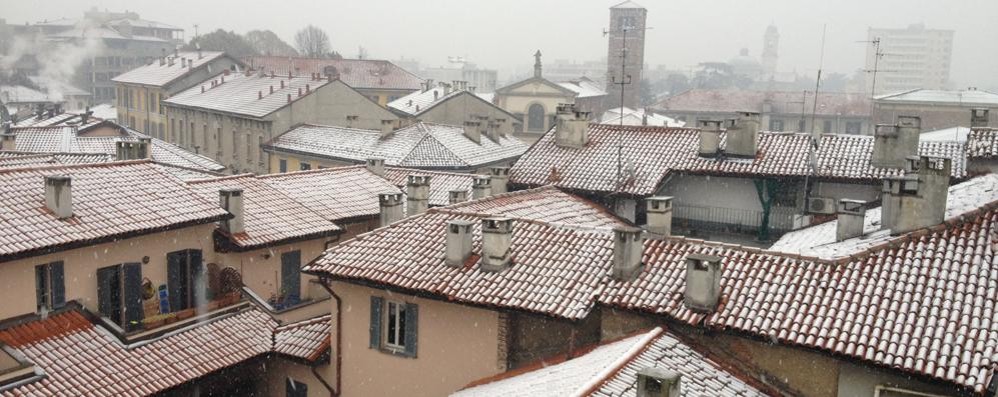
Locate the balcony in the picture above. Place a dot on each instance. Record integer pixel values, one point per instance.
(157, 325)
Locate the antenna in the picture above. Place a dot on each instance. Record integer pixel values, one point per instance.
(813, 149)
(625, 79)
(877, 54)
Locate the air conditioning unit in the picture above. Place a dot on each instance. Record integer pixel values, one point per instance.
(821, 205)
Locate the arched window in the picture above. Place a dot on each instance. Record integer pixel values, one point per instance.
(535, 117)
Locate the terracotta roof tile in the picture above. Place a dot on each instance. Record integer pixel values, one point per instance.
(154, 74)
(982, 143)
(548, 203)
(22, 159)
(335, 193)
(441, 183)
(306, 339)
(239, 93)
(357, 73)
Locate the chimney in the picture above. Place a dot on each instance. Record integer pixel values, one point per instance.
(501, 121)
(457, 196)
(391, 208)
(492, 130)
(59, 195)
(458, 242)
(127, 150)
(979, 118)
(162, 56)
(387, 126)
(572, 129)
(659, 211)
(852, 214)
(481, 187)
(231, 200)
(500, 179)
(282, 84)
(497, 239)
(743, 137)
(447, 88)
(417, 194)
(710, 137)
(144, 148)
(628, 248)
(658, 382)
(703, 282)
(8, 141)
(472, 131)
(376, 166)
(892, 144)
(917, 199)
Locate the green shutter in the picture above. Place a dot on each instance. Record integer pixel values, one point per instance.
(411, 328)
(375, 329)
(58, 283)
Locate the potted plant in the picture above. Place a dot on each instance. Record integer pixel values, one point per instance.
(185, 314)
(156, 321)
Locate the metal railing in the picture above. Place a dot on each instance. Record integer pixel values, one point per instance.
(734, 220)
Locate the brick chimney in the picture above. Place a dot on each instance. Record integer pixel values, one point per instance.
(852, 214)
(458, 242)
(658, 382)
(391, 208)
(497, 240)
(659, 211)
(500, 179)
(8, 141)
(710, 137)
(917, 199)
(231, 200)
(59, 195)
(628, 248)
(892, 144)
(387, 127)
(376, 166)
(979, 118)
(417, 194)
(572, 128)
(743, 137)
(703, 282)
(481, 187)
(472, 130)
(457, 196)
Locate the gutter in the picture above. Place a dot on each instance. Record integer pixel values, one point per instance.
(324, 282)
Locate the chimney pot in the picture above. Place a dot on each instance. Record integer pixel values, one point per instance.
(282, 84)
(391, 208)
(59, 195)
(459, 242)
(500, 179)
(497, 240)
(481, 187)
(657, 382)
(851, 217)
(628, 248)
(387, 127)
(892, 144)
(743, 136)
(458, 196)
(376, 166)
(917, 199)
(417, 194)
(472, 130)
(259, 95)
(659, 214)
(710, 137)
(231, 200)
(271, 89)
(979, 117)
(572, 127)
(299, 92)
(703, 282)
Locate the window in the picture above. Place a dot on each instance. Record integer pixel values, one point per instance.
(185, 279)
(162, 132)
(291, 276)
(535, 118)
(50, 286)
(283, 165)
(295, 388)
(776, 125)
(305, 166)
(827, 127)
(394, 326)
(853, 127)
(119, 294)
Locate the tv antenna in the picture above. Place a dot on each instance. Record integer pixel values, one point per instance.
(625, 79)
(877, 54)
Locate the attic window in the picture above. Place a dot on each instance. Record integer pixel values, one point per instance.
(14, 367)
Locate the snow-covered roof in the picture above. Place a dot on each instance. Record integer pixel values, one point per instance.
(628, 4)
(973, 97)
(11, 94)
(819, 240)
(611, 370)
(247, 94)
(175, 67)
(639, 117)
(357, 73)
(952, 134)
(585, 88)
(418, 102)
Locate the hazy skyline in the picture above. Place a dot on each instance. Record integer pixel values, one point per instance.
(504, 34)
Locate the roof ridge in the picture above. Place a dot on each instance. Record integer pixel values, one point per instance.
(614, 367)
(76, 166)
(221, 178)
(327, 170)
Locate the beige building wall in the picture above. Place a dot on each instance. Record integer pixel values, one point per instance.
(457, 344)
(80, 266)
(457, 110)
(280, 369)
(261, 268)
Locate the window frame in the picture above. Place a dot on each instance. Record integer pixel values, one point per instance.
(399, 331)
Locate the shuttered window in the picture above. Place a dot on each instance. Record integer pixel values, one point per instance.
(295, 388)
(291, 276)
(50, 286)
(119, 294)
(185, 279)
(394, 326)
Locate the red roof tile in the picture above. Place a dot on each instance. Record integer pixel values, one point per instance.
(307, 339)
(441, 183)
(982, 143)
(357, 73)
(548, 203)
(335, 193)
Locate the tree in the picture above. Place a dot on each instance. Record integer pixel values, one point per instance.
(312, 42)
(266, 42)
(220, 40)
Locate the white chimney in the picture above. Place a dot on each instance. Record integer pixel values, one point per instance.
(500, 179)
(231, 200)
(710, 137)
(144, 149)
(852, 214)
(391, 208)
(743, 137)
(659, 214)
(703, 282)
(457, 196)
(387, 126)
(8, 142)
(472, 130)
(376, 166)
(628, 248)
(658, 382)
(497, 240)
(417, 194)
(481, 187)
(572, 129)
(917, 199)
(892, 144)
(59, 195)
(458, 242)
(979, 118)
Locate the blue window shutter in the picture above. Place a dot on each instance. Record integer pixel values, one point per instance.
(58, 284)
(132, 293)
(376, 305)
(411, 328)
(41, 285)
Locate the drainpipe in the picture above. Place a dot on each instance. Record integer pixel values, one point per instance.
(339, 342)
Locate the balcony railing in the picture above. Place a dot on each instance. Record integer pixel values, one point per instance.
(734, 220)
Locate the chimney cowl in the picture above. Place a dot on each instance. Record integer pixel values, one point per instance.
(457, 196)
(472, 130)
(231, 200)
(743, 136)
(390, 205)
(387, 127)
(710, 138)
(375, 165)
(703, 283)
(59, 195)
(659, 216)
(658, 382)
(892, 144)
(417, 194)
(500, 179)
(459, 242)
(571, 127)
(917, 199)
(851, 219)
(628, 249)
(497, 242)
(481, 187)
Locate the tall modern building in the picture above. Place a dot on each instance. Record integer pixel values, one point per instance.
(910, 59)
(627, 39)
(770, 51)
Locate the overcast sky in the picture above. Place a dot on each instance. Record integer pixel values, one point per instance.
(504, 34)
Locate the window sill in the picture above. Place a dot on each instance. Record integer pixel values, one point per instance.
(395, 352)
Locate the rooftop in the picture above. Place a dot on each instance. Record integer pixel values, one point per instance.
(611, 369)
(337, 194)
(420, 102)
(357, 73)
(782, 102)
(548, 203)
(639, 117)
(105, 199)
(175, 67)
(654, 152)
(585, 88)
(421, 145)
(970, 97)
(441, 182)
(240, 93)
(23, 159)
